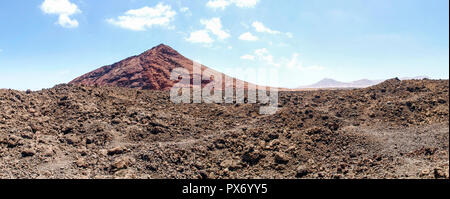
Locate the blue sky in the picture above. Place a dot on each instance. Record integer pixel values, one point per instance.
(43, 43)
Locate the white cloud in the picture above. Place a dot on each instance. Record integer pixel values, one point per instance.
(248, 37)
(245, 3)
(294, 62)
(289, 34)
(222, 4)
(264, 55)
(259, 27)
(200, 36)
(146, 17)
(218, 4)
(61, 7)
(66, 22)
(248, 57)
(64, 8)
(214, 25)
(186, 11)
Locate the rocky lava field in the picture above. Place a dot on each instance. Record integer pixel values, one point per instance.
(397, 129)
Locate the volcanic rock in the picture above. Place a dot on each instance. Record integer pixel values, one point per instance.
(317, 132)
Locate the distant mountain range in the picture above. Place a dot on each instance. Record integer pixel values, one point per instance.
(363, 83)
(151, 70)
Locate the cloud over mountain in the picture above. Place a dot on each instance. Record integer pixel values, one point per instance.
(146, 17)
(212, 26)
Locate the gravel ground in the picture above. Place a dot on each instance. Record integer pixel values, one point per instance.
(397, 129)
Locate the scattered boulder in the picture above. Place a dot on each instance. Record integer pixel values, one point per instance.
(121, 163)
(252, 157)
(28, 152)
(302, 171)
(116, 150)
(72, 139)
(231, 164)
(281, 158)
(81, 163)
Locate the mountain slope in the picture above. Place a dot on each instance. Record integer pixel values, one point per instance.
(150, 70)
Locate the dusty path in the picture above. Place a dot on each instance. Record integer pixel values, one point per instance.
(411, 151)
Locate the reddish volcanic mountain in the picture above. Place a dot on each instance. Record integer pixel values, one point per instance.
(150, 70)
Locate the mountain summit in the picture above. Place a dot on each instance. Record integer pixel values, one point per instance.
(149, 71)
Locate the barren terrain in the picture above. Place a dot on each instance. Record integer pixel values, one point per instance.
(397, 129)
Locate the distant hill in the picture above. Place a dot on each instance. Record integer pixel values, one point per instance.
(363, 83)
(331, 83)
